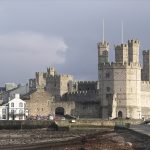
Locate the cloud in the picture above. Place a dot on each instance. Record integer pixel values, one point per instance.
(32, 48)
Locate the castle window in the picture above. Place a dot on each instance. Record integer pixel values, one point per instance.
(107, 75)
(108, 89)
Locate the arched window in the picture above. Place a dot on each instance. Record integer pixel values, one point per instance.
(20, 104)
(59, 111)
(3, 111)
(12, 104)
(120, 114)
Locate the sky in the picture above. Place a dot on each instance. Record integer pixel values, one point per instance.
(36, 34)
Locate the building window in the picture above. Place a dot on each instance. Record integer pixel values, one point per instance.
(108, 89)
(3, 111)
(3, 116)
(12, 104)
(107, 75)
(20, 104)
(20, 111)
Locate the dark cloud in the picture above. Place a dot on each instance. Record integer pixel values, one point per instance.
(64, 34)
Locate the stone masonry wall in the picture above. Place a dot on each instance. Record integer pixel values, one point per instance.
(39, 103)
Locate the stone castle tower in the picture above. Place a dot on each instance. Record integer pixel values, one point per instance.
(120, 81)
(146, 66)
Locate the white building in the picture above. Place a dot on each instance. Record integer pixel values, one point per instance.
(17, 108)
(4, 112)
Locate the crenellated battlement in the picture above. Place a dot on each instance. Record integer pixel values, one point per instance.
(41, 75)
(91, 92)
(66, 76)
(103, 44)
(86, 82)
(145, 85)
(133, 42)
(121, 46)
(146, 52)
(119, 65)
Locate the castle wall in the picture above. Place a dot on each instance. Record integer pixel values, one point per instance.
(145, 104)
(69, 107)
(87, 85)
(39, 103)
(82, 96)
(87, 104)
(87, 109)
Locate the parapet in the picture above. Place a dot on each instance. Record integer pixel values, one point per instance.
(133, 42)
(87, 82)
(121, 46)
(119, 65)
(145, 85)
(146, 52)
(66, 76)
(103, 44)
(41, 74)
(91, 92)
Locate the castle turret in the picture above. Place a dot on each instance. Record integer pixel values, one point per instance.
(133, 51)
(121, 53)
(146, 66)
(103, 48)
(41, 79)
(51, 71)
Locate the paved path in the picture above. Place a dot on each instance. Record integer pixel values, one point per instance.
(144, 129)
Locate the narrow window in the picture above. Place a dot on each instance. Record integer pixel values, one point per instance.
(108, 89)
(107, 75)
(3, 111)
(12, 104)
(20, 104)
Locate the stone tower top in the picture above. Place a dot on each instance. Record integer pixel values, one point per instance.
(146, 66)
(51, 71)
(133, 50)
(121, 53)
(103, 44)
(103, 48)
(133, 42)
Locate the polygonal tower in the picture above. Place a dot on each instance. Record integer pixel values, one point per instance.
(133, 51)
(103, 48)
(146, 66)
(121, 53)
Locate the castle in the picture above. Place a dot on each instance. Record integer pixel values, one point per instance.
(124, 85)
(122, 89)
